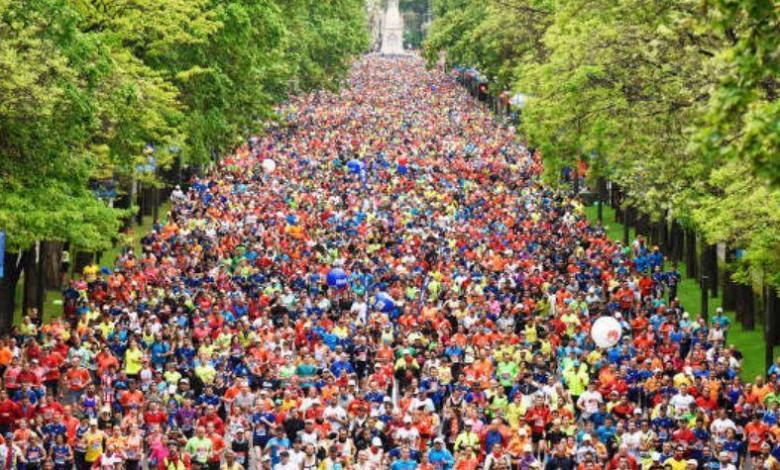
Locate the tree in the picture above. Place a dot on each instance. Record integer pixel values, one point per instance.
(668, 99)
(742, 121)
(46, 122)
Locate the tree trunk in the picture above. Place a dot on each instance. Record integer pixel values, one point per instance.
(729, 286)
(628, 221)
(663, 235)
(52, 259)
(690, 254)
(81, 261)
(617, 203)
(156, 204)
(602, 191)
(712, 264)
(139, 216)
(32, 279)
(771, 307)
(677, 238)
(12, 266)
(639, 223)
(745, 306)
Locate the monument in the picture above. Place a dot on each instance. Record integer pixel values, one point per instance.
(392, 30)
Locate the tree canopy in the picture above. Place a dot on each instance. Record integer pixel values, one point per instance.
(89, 86)
(674, 101)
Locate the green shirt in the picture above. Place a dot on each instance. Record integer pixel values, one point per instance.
(506, 373)
(199, 449)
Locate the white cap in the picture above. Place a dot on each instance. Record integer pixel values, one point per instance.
(376, 442)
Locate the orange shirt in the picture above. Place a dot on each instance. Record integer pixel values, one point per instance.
(77, 378)
(755, 433)
(130, 398)
(467, 464)
(105, 361)
(761, 392)
(5, 356)
(518, 443)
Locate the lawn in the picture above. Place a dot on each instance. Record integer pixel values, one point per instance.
(750, 343)
(52, 305)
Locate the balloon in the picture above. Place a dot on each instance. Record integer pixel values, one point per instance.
(355, 166)
(383, 302)
(292, 219)
(269, 166)
(337, 278)
(606, 332)
(402, 170)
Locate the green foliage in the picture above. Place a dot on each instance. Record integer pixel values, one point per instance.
(743, 119)
(676, 101)
(47, 119)
(86, 86)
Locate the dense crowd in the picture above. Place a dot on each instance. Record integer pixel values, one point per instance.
(380, 281)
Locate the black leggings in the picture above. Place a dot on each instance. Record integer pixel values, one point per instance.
(81, 462)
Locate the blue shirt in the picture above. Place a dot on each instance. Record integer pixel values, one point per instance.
(404, 465)
(443, 457)
(276, 445)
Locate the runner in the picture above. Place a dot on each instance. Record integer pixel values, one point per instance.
(381, 280)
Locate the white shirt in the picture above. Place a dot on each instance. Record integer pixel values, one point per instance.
(308, 437)
(411, 433)
(720, 426)
(373, 460)
(633, 441)
(590, 401)
(681, 402)
(361, 309)
(334, 414)
(290, 465)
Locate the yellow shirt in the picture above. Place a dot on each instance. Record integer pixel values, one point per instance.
(133, 361)
(90, 272)
(513, 413)
(206, 373)
(676, 464)
(94, 442)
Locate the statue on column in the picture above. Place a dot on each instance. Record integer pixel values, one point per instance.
(392, 30)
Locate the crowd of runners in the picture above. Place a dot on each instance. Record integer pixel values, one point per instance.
(380, 281)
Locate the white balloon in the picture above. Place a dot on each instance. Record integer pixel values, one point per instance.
(606, 332)
(269, 165)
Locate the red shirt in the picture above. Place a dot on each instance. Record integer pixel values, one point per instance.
(8, 412)
(538, 417)
(28, 376)
(684, 435)
(156, 417)
(52, 408)
(52, 362)
(219, 425)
